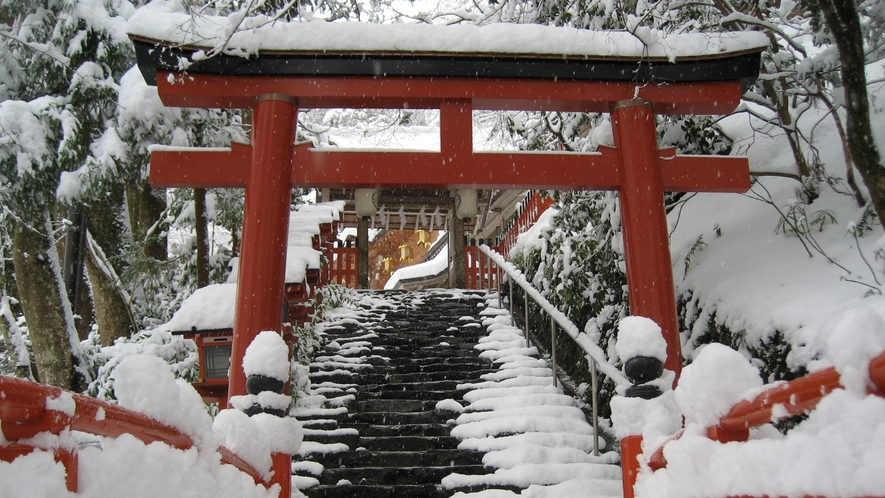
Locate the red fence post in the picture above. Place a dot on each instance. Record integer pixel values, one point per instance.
(631, 448)
(265, 229)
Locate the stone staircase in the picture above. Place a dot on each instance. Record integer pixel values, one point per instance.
(375, 429)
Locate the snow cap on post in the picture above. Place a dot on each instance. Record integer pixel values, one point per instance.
(268, 356)
(640, 336)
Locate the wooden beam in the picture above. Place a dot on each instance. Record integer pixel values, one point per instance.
(206, 90)
(173, 167)
(339, 168)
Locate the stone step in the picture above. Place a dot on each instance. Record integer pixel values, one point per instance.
(415, 387)
(396, 475)
(409, 443)
(375, 430)
(395, 418)
(394, 405)
(366, 491)
(347, 436)
(442, 366)
(376, 392)
(379, 377)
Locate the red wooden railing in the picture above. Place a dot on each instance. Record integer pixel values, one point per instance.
(24, 414)
(481, 273)
(532, 208)
(343, 266)
(791, 398)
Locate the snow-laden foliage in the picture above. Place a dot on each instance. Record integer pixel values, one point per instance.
(179, 353)
(33, 135)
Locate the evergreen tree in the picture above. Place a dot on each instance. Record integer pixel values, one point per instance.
(62, 59)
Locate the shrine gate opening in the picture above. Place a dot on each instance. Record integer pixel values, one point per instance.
(275, 85)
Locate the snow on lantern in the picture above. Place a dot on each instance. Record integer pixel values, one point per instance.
(465, 203)
(366, 203)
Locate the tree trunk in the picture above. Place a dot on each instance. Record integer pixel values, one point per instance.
(201, 225)
(106, 230)
(146, 207)
(112, 313)
(43, 305)
(842, 18)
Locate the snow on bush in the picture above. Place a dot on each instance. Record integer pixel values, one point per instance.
(101, 362)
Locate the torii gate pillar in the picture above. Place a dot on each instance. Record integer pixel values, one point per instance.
(644, 223)
(262, 268)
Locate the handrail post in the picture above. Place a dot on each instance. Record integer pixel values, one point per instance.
(510, 288)
(498, 276)
(594, 393)
(525, 294)
(553, 348)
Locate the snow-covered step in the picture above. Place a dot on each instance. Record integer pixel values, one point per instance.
(533, 435)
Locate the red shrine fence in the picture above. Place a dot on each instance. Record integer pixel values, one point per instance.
(29, 409)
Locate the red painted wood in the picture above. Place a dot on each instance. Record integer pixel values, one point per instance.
(533, 209)
(23, 413)
(644, 224)
(631, 448)
(792, 398)
(343, 266)
(201, 168)
(203, 90)
(262, 267)
(281, 467)
(330, 168)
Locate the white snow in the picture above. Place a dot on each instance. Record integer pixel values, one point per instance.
(640, 336)
(145, 384)
(166, 20)
(125, 466)
(536, 436)
(268, 355)
(718, 379)
(208, 308)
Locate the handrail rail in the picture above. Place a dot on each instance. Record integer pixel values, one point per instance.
(595, 355)
(24, 414)
(581, 339)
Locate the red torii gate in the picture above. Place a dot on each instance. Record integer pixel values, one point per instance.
(275, 86)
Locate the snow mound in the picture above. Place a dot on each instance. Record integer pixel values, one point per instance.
(719, 378)
(145, 384)
(267, 355)
(640, 336)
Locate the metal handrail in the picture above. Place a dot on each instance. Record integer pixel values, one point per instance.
(595, 356)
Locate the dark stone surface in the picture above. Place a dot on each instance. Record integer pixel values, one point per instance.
(403, 448)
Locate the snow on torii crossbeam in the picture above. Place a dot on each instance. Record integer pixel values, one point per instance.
(454, 69)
